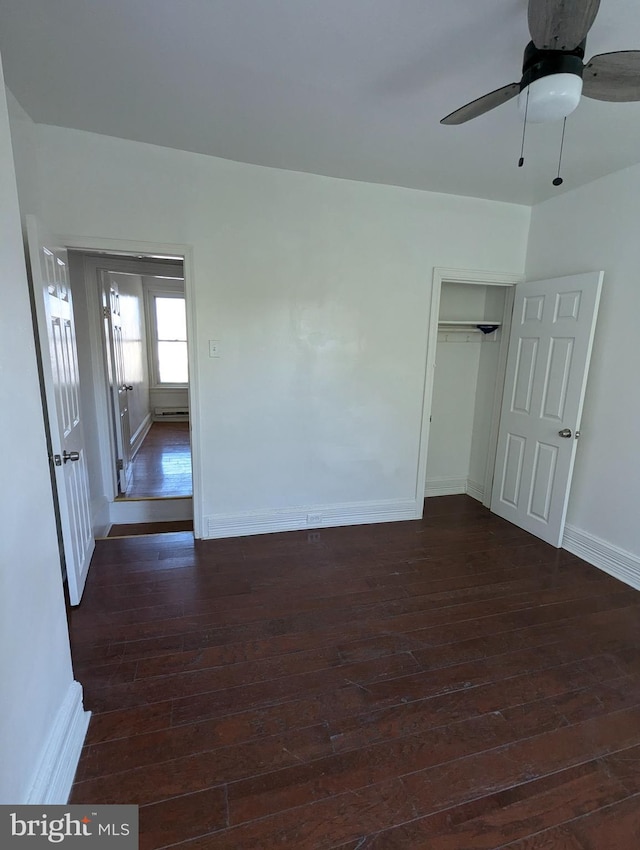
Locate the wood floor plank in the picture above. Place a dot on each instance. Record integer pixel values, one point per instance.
(357, 768)
(202, 769)
(136, 528)
(507, 816)
(171, 821)
(162, 464)
(450, 683)
(614, 826)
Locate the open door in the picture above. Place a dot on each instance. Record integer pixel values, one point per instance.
(547, 364)
(118, 383)
(56, 332)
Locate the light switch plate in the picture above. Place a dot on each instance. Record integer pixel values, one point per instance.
(214, 348)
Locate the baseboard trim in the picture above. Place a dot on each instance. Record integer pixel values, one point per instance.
(303, 518)
(445, 487)
(138, 438)
(54, 775)
(617, 562)
(475, 490)
(453, 487)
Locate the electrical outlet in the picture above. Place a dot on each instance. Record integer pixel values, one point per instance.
(314, 519)
(313, 537)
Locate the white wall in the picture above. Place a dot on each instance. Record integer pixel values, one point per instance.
(462, 301)
(35, 664)
(591, 228)
(318, 290)
(483, 411)
(486, 391)
(24, 138)
(452, 415)
(454, 391)
(170, 397)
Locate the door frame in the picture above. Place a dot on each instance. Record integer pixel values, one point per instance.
(481, 278)
(140, 251)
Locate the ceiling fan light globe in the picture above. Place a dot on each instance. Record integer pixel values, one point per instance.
(551, 98)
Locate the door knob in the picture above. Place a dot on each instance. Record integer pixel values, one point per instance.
(70, 456)
(566, 432)
(128, 387)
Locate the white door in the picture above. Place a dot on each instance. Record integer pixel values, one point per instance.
(119, 386)
(547, 364)
(56, 331)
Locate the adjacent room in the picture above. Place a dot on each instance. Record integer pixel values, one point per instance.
(324, 529)
(130, 317)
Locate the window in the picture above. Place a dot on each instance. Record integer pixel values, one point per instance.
(169, 338)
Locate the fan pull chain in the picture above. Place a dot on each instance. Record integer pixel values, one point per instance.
(524, 130)
(557, 181)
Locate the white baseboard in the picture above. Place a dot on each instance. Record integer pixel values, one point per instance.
(475, 490)
(299, 519)
(617, 562)
(138, 438)
(149, 510)
(445, 487)
(453, 487)
(54, 775)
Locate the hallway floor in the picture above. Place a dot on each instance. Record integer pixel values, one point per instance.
(446, 684)
(162, 465)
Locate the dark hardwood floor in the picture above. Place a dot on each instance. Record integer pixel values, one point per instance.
(134, 529)
(162, 465)
(449, 684)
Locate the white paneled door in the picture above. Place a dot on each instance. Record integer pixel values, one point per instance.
(549, 350)
(118, 380)
(56, 331)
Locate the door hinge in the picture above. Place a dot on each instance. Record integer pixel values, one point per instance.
(106, 312)
(119, 464)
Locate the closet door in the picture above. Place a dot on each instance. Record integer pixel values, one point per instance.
(549, 351)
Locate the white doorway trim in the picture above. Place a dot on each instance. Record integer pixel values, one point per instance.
(133, 249)
(470, 276)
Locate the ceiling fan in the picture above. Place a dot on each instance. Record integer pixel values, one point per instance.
(554, 76)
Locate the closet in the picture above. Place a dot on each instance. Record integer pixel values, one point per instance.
(467, 391)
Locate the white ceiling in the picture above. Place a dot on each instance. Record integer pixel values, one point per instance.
(347, 88)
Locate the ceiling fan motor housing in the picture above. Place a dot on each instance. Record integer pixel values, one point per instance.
(551, 84)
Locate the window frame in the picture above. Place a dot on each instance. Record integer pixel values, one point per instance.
(151, 292)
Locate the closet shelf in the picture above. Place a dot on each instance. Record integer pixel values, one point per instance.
(482, 325)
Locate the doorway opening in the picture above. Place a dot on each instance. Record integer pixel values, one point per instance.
(468, 343)
(80, 378)
(136, 315)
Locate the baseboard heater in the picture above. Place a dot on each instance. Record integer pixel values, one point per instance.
(173, 413)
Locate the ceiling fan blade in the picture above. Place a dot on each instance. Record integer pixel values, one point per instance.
(613, 76)
(482, 104)
(561, 24)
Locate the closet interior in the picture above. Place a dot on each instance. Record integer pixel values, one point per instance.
(467, 391)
